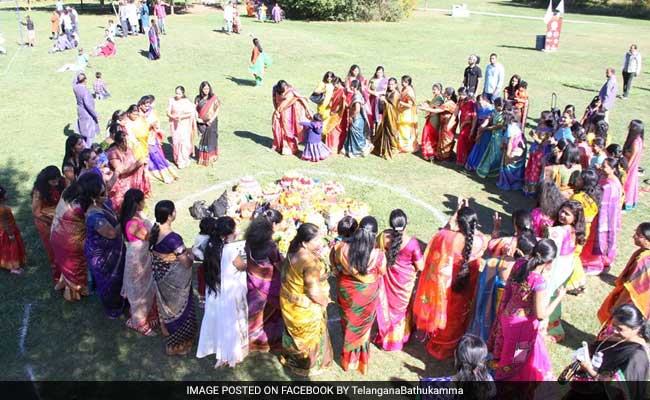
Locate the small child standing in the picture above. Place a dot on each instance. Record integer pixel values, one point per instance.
(31, 31)
(206, 227)
(315, 150)
(100, 88)
(12, 249)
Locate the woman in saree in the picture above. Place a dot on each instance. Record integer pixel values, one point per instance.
(567, 169)
(444, 144)
(404, 260)
(624, 369)
(501, 255)
(407, 138)
(335, 128)
(568, 233)
(131, 173)
(633, 284)
(290, 110)
(71, 167)
(431, 129)
(510, 90)
(376, 88)
(385, 139)
(356, 143)
(46, 194)
(304, 296)
(518, 348)
(172, 271)
(482, 136)
(589, 194)
(443, 301)
(467, 123)
(540, 149)
(260, 61)
(601, 247)
(67, 239)
(138, 133)
(207, 106)
(358, 264)
(138, 285)
(325, 89)
(490, 165)
(12, 248)
(633, 149)
(511, 176)
(104, 246)
(264, 261)
(182, 125)
(154, 41)
(158, 165)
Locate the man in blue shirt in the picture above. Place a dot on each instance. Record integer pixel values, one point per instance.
(608, 92)
(494, 76)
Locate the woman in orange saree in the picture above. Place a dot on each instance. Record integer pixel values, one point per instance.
(67, 239)
(45, 196)
(633, 284)
(335, 129)
(404, 261)
(444, 298)
(358, 265)
(290, 110)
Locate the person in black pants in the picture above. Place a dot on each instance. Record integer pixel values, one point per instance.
(472, 74)
(631, 68)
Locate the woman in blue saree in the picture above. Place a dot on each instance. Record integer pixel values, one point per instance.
(172, 271)
(356, 143)
(513, 167)
(491, 163)
(483, 135)
(104, 248)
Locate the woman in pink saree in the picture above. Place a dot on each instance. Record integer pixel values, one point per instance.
(182, 123)
(518, 346)
(600, 250)
(632, 149)
(290, 110)
(404, 261)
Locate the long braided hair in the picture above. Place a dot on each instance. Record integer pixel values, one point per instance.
(398, 222)
(362, 244)
(212, 263)
(467, 221)
(544, 252)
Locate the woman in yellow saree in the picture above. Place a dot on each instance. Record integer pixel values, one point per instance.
(333, 129)
(408, 118)
(304, 296)
(326, 89)
(137, 130)
(385, 139)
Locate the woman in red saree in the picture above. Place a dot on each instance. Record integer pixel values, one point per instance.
(335, 130)
(633, 284)
(264, 263)
(131, 174)
(431, 129)
(467, 116)
(358, 266)
(67, 239)
(404, 261)
(444, 298)
(45, 196)
(290, 110)
(443, 144)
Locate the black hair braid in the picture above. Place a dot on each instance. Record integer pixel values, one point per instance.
(154, 233)
(396, 244)
(462, 278)
(212, 263)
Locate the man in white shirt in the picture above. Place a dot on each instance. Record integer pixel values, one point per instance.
(228, 16)
(631, 68)
(494, 76)
(59, 5)
(66, 24)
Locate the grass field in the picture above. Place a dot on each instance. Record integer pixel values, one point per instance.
(77, 342)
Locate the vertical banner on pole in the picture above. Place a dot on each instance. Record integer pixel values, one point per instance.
(553, 30)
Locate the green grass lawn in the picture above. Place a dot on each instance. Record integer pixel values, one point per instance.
(77, 342)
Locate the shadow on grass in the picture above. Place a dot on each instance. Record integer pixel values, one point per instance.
(506, 46)
(240, 81)
(574, 337)
(608, 278)
(583, 88)
(144, 53)
(641, 88)
(67, 130)
(259, 139)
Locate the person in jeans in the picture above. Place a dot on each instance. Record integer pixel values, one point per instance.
(608, 92)
(494, 77)
(631, 68)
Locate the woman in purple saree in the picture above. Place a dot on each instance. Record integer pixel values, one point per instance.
(104, 247)
(154, 41)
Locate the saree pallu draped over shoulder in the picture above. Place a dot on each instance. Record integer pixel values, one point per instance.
(290, 111)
